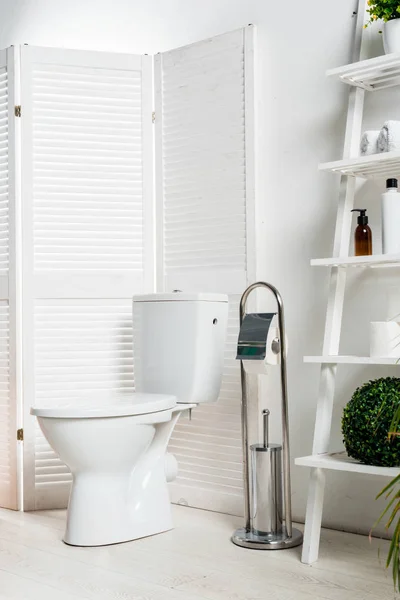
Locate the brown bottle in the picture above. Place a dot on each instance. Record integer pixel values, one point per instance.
(362, 234)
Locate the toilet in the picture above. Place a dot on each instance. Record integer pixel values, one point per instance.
(116, 447)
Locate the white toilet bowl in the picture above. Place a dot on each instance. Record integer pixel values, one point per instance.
(116, 454)
(116, 449)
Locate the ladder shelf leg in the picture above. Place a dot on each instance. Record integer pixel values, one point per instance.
(315, 501)
(312, 530)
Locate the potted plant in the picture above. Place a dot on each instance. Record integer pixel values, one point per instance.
(389, 12)
(371, 432)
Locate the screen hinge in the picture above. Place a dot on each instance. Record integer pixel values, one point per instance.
(17, 110)
(153, 116)
(20, 435)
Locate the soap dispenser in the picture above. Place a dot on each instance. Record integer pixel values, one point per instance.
(362, 234)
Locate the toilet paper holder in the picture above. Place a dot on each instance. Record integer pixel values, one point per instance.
(264, 485)
(253, 337)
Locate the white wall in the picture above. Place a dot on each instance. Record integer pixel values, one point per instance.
(300, 123)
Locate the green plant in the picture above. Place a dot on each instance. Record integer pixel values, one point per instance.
(367, 419)
(386, 10)
(374, 411)
(392, 494)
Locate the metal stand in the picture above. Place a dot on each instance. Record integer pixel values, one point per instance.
(248, 536)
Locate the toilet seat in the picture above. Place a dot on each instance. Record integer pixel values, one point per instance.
(116, 406)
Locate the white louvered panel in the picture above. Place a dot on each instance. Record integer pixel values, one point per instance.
(87, 161)
(206, 203)
(88, 235)
(49, 470)
(4, 171)
(7, 410)
(82, 348)
(83, 351)
(8, 402)
(203, 145)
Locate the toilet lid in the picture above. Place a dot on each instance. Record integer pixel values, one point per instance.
(115, 406)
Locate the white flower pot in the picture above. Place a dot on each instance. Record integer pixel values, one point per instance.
(391, 36)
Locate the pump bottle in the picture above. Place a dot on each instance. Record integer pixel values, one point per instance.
(362, 234)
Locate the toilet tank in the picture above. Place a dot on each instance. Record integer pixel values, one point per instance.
(178, 343)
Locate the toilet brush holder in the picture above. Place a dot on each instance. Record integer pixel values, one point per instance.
(267, 490)
(266, 503)
(266, 508)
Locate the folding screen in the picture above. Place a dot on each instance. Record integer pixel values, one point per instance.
(83, 233)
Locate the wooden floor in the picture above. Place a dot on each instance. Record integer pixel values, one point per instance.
(193, 562)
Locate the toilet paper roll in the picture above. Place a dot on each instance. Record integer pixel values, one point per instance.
(385, 339)
(261, 367)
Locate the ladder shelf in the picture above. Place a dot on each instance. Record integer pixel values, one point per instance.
(362, 76)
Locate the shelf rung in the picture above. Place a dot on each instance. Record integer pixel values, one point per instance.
(352, 360)
(376, 260)
(373, 74)
(339, 461)
(384, 164)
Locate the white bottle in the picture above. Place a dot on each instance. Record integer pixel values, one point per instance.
(391, 218)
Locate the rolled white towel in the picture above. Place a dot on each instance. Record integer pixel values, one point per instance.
(389, 137)
(369, 142)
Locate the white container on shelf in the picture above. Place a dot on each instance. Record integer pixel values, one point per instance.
(385, 339)
(391, 36)
(391, 218)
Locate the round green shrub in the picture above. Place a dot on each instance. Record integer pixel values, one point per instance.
(366, 423)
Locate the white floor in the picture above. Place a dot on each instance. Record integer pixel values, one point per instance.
(195, 561)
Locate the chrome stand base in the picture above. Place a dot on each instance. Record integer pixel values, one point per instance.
(249, 539)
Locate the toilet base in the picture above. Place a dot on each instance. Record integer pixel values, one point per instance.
(120, 470)
(107, 509)
(149, 533)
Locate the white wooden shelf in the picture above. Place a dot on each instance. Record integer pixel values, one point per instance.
(351, 360)
(372, 74)
(385, 164)
(339, 461)
(376, 260)
(363, 76)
